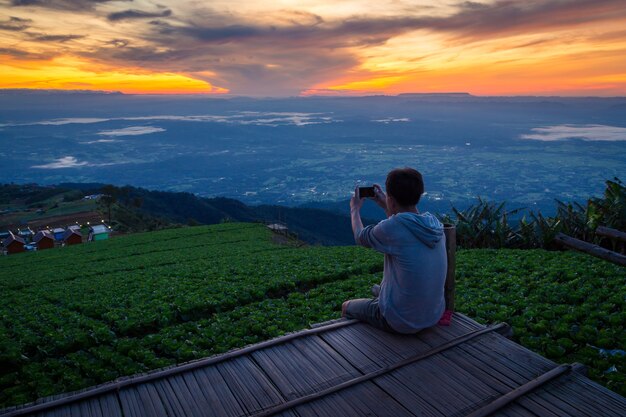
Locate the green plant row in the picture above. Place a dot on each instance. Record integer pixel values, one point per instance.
(159, 291)
(137, 245)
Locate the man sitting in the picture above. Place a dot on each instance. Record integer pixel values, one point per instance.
(411, 294)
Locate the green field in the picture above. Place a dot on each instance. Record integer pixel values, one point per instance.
(78, 316)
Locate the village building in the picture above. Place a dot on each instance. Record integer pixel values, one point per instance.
(26, 234)
(44, 239)
(58, 233)
(99, 232)
(13, 244)
(72, 237)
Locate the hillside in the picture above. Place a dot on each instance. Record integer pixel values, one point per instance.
(137, 209)
(78, 316)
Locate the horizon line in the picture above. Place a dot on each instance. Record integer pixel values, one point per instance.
(458, 94)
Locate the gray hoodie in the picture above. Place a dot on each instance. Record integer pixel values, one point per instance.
(411, 293)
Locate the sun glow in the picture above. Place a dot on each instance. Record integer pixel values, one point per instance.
(70, 74)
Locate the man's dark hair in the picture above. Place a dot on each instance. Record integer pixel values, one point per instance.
(405, 185)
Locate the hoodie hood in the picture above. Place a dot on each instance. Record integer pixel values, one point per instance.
(426, 227)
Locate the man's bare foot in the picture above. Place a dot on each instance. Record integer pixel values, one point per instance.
(375, 290)
(344, 307)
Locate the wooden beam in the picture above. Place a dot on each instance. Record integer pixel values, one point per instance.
(520, 391)
(612, 233)
(450, 232)
(591, 249)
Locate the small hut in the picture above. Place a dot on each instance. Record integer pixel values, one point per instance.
(26, 234)
(99, 232)
(13, 244)
(58, 233)
(44, 239)
(72, 237)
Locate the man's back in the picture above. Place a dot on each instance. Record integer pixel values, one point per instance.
(412, 290)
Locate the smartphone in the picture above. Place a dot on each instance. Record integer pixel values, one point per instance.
(365, 192)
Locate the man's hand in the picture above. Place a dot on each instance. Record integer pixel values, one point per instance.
(356, 202)
(380, 197)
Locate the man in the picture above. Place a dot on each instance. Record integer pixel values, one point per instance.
(411, 295)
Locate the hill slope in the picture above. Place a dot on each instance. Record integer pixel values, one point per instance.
(77, 316)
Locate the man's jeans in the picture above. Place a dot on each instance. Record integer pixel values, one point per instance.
(366, 309)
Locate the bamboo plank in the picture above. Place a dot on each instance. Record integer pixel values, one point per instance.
(110, 406)
(246, 380)
(221, 400)
(359, 400)
(514, 410)
(88, 408)
(149, 400)
(610, 398)
(302, 367)
(476, 364)
(589, 402)
(421, 390)
(397, 346)
(490, 359)
(171, 398)
(363, 356)
(452, 385)
(130, 405)
(538, 408)
(419, 401)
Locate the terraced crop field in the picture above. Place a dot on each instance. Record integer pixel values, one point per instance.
(78, 316)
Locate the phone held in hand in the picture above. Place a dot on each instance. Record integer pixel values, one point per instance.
(366, 192)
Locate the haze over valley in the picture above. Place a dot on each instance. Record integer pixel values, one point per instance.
(527, 151)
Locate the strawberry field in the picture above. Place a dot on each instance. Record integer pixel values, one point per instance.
(83, 315)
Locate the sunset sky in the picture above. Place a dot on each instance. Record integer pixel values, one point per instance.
(288, 48)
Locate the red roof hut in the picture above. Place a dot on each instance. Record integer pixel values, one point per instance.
(13, 244)
(44, 239)
(72, 237)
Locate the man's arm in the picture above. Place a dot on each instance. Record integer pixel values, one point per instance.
(355, 214)
(357, 223)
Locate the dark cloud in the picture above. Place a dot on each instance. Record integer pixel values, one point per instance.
(137, 14)
(119, 43)
(226, 33)
(56, 38)
(15, 24)
(21, 54)
(73, 5)
(506, 17)
(472, 20)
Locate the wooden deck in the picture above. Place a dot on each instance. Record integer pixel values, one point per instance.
(348, 368)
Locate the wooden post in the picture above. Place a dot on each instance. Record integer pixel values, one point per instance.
(450, 232)
(591, 249)
(612, 233)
